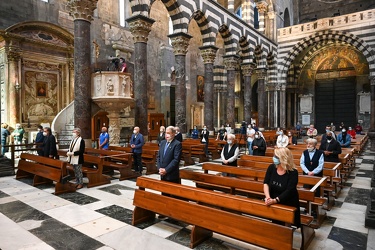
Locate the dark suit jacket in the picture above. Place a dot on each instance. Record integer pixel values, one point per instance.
(138, 142)
(205, 135)
(49, 146)
(333, 147)
(170, 160)
(178, 137)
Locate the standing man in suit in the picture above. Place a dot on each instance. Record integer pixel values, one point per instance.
(168, 159)
(39, 139)
(49, 144)
(136, 143)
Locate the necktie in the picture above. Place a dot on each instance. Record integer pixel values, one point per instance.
(165, 148)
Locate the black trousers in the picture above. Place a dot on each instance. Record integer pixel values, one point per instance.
(137, 162)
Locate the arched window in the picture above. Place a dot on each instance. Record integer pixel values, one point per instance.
(286, 18)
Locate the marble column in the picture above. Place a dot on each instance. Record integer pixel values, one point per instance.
(262, 9)
(82, 12)
(371, 132)
(272, 23)
(283, 106)
(208, 53)
(140, 27)
(271, 105)
(247, 71)
(231, 65)
(180, 43)
(262, 98)
(13, 57)
(231, 6)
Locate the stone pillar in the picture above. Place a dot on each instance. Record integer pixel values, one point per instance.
(262, 9)
(231, 64)
(371, 132)
(208, 53)
(282, 106)
(140, 27)
(247, 71)
(180, 43)
(13, 56)
(262, 98)
(272, 25)
(271, 105)
(82, 12)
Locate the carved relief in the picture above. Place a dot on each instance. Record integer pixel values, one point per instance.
(44, 37)
(40, 66)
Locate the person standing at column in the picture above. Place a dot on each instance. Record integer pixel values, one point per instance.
(204, 139)
(4, 135)
(104, 139)
(136, 143)
(75, 156)
(39, 139)
(250, 138)
(49, 144)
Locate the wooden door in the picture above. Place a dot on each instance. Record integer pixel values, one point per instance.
(99, 120)
(155, 120)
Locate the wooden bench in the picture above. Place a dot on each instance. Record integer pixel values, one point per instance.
(115, 160)
(190, 150)
(45, 170)
(207, 211)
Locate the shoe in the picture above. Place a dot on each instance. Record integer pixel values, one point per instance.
(162, 216)
(79, 186)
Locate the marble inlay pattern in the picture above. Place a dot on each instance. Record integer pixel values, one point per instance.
(19, 211)
(365, 173)
(2, 194)
(358, 196)
(349, 239)
(118, 213)
(78, 198)
(115, 189)
(368, 161)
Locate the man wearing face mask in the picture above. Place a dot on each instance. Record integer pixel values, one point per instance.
(259, 145)
(75, 156)
(178, 136)
(331, 148)
(328, 131)
(230, 152)
(136, 143)
(39, 139)
(49, 144)
(104, 139)
(312, 160)
(344, 138)
(204, 139)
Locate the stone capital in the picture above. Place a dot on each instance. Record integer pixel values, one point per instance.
(180, 43)
(261, 73)
(140, 27)
(262, 7)
(208, 53)
(13, 53)
(231, 62)
(82, 9)
(247, 68)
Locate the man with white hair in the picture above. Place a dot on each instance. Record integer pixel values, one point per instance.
(75, 156)
(312, 159)
(230, 152)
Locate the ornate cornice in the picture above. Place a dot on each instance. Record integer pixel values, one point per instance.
(180, 43)
(262, 7)
(231, 62)
(140, 27)
(82, 9)
(208, 53)
(261, 73)
(248, 68)
(13, 53)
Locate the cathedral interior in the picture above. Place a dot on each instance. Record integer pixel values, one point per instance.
(188, 63)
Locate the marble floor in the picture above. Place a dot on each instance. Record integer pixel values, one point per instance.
(100, 218)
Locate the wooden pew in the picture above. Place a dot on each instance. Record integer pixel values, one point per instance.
(115, 160)
(209, 212)
(190, 150)
(45, 170)
(95, 175)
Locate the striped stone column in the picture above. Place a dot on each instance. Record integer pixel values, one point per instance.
(209, 54)
(247, 71)
(262, 10)
(180, 43)
(248, 12)
(82, 12)
(231, 65)
(262, 100)
(231, 6)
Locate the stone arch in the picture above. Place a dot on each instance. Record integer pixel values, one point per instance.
(246, 50)
(272, 67)
(261, 56)
(330, 35)
(229, 43)
(141, 7)
(207, 31)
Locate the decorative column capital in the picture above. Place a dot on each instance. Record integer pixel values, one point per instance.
(261, 73)
(140, 27)
(231, 62)
(13, 53)
(180, 43)
(82, 9)
(248, 68)
(208, 53)
(262, 7)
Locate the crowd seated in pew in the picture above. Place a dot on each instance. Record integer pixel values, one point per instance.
(45, 170)
(207, 211)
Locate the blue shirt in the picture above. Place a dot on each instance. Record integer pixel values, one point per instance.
(102, 138)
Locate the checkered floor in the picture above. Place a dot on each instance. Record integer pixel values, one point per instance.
(100, 218)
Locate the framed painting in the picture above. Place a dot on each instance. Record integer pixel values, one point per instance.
(200, 88)
(41, 89)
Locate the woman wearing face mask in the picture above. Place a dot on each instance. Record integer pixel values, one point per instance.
(331, 148)
(75, 156)
(292, 140)
(259, 145)
(280, 182)
(344, 138)
(282, 140)
(204, 139)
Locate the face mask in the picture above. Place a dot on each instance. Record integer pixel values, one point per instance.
(204, 128)
(229, 142)
(74, 135)
(329, 137)
(327, 130)
(256, 136)
(44, 133)
(249, 126)
(343, 130)
(103, 131)
(276, 161)
(310, 149)
(289, 134)
(134, 131)
(280, 132)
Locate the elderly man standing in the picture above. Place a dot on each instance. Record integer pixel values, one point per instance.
(136, 143)
(75, 156)
(230, 152)
(104, 139)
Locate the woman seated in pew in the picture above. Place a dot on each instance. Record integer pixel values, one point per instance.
(292, 140)
(259, 145)
(280, 182)
(282, 140)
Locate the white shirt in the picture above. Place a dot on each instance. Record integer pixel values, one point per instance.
(282, 141)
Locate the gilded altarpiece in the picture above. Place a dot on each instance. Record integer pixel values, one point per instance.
(41, 83)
